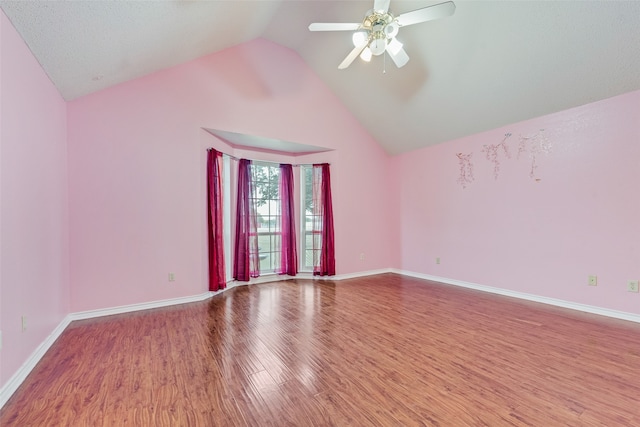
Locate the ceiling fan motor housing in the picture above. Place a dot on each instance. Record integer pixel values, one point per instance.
(381, 27)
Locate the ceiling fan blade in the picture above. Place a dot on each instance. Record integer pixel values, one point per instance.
(333, 26)
(381, 5)
(352, 55)
(428, 13)
(400, 57)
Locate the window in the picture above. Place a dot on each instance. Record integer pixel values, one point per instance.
(307, 220)
(318, 242)
(266, 241)
(267, 200)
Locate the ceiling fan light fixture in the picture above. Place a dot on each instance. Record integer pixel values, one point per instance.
(391, 29)
(378, 46)
(366, 54)
(359, 38)
(394, 46)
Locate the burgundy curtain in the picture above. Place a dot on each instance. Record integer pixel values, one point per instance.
(215, 214)
(325, 264)
(288, 255)
(246, 262)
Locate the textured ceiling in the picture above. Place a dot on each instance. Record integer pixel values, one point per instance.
(492, 63)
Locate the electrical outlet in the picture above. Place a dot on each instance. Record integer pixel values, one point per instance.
(24, 323)
(172, 277)
(632, 286)
(593, 280)
(438, 260)
(362, 256)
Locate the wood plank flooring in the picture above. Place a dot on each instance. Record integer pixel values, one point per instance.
(385, 350)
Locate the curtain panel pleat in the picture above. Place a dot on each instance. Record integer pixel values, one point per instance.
(288, 254)
(325, 264)
(246, 262)
(215, 213)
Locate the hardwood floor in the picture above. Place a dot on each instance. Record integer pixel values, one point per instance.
(384, 350)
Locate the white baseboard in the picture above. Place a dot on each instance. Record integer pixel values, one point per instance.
(21, 374)
(140, 306)
(529, 297)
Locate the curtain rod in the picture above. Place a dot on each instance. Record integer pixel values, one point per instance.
(261, 161)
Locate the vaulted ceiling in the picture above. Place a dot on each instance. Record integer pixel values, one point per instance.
(490, 64)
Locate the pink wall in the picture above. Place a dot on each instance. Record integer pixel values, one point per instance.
(543, 235)
(34, 273)
(136, 170)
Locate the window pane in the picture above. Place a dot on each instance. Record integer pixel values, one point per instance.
(308, 258)
(265, 260)
(260, 172)
(272, 223)
(275, 261)
(308, 190)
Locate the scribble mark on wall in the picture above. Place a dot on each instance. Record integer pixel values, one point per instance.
(466, 169)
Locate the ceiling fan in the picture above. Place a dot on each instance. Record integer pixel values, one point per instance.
(376, 34)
